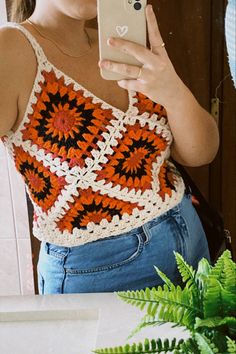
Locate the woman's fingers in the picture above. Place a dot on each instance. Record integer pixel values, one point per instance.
(141, 53)
(154, 34)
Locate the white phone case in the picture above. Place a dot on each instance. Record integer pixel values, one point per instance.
(119, 18)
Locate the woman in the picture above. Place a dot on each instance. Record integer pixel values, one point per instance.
(108, 203)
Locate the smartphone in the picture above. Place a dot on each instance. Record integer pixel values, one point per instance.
(120, 19)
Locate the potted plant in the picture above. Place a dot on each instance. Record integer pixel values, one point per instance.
(205, 305)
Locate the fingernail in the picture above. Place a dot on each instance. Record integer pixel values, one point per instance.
(110, 41)
(103, 63)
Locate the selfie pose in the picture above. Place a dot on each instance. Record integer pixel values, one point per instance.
(94, 152)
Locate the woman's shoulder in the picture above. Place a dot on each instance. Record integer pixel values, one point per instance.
(16, 57)
(8, 44)
(15, 60)
(15, 51)
(8, 78)
(13, 46)
(11, 54)
(9, 36)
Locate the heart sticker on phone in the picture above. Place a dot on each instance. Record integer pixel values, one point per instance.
(121, 30)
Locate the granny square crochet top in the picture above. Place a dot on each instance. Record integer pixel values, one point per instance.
(91, 170)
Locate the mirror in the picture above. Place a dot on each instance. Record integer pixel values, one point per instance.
(194, 37)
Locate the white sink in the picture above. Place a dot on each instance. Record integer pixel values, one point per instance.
(71, 324)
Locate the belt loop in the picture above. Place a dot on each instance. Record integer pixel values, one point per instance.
(146, 233)
(188, 190)
(46, 247)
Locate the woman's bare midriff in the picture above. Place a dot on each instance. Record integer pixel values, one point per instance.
(78, 69)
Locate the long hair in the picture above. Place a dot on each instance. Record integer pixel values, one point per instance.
(20, 10)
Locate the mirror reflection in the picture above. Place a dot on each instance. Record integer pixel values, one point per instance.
(98, 141)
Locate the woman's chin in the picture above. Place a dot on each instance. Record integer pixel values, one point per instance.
(88, 13)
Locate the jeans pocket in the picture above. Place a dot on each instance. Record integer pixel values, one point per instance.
(104, 254)
(59, 252)
(192, 229)
(166, 237)
(171, 230)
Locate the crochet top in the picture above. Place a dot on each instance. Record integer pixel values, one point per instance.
(91, 170)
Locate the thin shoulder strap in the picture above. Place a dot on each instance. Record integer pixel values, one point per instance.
(41, 57)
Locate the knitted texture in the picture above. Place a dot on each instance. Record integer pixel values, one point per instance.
(90, 169)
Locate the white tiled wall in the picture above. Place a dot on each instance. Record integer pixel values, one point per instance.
(3, 13)
(16, 268)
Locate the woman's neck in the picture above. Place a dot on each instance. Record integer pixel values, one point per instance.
(61, 28)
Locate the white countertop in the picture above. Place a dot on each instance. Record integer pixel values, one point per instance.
(117, 319)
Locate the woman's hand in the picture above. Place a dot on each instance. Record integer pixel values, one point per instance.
(158, 79)
(195, 133)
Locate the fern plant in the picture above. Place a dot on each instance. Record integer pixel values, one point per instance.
(205, 305)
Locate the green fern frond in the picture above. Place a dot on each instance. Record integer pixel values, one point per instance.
(206, 306)
(218, 268)
(227, 324)
(231, 346)
(203, 271)
(205, 345)
(217, 301)
(188, 275)
(212, 302)
(189, 346)
(138, 298)
(149, 346)
(229, 282)
(217, 336)
(169, 305)
(224, 271)
(229, 302)
(164, 277)
(187, 272)
(146, 321)
(213, 322)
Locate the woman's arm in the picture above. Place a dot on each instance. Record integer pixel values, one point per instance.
(9, 79)
(195, 132)
(196, 137)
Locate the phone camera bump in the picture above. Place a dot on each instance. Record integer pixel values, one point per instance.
(137, 5)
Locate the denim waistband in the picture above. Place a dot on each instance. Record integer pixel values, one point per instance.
(142, 230)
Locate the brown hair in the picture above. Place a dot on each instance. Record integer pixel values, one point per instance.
(20, 10)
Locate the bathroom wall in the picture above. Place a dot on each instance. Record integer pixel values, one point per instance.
(16, 270)
(3, 13)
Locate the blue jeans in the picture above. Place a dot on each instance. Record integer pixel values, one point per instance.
(126, 261)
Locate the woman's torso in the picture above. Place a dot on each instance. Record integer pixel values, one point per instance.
(94, 162)
(78, 69)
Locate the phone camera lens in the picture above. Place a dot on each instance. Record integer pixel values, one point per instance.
(137, 6)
